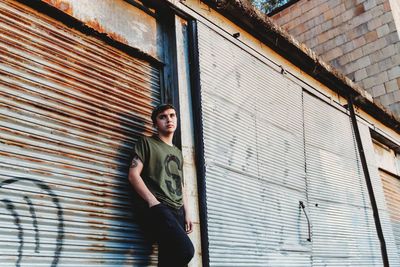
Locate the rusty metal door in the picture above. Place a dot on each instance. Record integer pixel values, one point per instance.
(71, 108)
(391, 186)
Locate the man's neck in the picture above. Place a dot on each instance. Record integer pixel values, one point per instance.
(166, 138)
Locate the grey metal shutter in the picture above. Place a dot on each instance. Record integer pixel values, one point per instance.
(385, 189)
(254, 156)
(71, 108)
(343, 226)
(391, 186)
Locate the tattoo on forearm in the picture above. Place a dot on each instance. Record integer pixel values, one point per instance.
(134, 162)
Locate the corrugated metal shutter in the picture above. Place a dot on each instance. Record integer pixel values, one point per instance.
(268, 146)
(391, 186)
(71, 108)
(254, 155)
(384, 203)
(343, 226)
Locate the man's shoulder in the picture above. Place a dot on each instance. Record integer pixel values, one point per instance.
(148, 143)
(144, 139)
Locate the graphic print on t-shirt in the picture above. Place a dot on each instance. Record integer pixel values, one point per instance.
(176, 179)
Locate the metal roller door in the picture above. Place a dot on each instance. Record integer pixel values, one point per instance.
(268, 145)
(344, 232)
(386, 193)
(254, 156)
(391, 185)
(71, 108)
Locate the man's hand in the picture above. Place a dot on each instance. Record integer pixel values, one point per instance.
(188, 224)
(153, 203)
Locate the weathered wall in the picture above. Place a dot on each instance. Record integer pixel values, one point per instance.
(358, 37)
(75, 67)
(122, 22)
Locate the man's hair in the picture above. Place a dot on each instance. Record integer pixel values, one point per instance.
(160, 108)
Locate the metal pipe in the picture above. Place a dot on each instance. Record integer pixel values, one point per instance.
(199, 137)
(369, 183)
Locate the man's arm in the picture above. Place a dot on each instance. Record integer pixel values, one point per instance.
(188, 217)
(137, 182)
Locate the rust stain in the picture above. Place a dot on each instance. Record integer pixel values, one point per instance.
(100, 204)
(118, 38)
(101, 194)
(94, 24)
(61, 5)
(98, 225)
(106, 216)
(99, 248)
(19, 18)
(41, 172)
(98, 238)
(94, 182)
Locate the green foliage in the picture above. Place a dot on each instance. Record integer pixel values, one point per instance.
(267, 6)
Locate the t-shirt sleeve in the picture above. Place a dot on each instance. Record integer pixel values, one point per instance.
(141, 149)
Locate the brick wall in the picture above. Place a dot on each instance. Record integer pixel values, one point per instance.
(358, 37)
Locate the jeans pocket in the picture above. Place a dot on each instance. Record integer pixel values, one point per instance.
(162, 215)
(155, 206)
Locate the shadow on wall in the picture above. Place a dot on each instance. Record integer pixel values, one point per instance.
(41, 222)
(140, 251)
(33, 212)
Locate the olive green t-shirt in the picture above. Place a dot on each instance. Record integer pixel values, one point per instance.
(162, 169)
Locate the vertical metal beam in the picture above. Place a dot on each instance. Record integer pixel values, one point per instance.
(369, 183)
(169, 75)
(199, 137)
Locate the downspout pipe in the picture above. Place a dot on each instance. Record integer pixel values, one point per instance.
(199, 137)
(368, 182)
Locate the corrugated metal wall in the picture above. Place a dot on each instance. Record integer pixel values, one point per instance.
(254, 154)
(383, 203)
(391, 185)
(343, 226)
(269, 145)
(71, 108)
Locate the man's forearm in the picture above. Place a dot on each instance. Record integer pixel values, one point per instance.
(188, 217)
(137, 181)
(185, 201)
(140, 187)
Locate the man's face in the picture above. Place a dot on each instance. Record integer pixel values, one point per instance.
(166, 121)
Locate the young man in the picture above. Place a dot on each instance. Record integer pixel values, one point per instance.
(156, 175)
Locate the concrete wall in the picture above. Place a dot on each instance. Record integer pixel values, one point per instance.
(358, 37)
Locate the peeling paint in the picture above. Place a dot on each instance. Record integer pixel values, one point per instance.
(94, 24)
(118, 20)
(61, 5)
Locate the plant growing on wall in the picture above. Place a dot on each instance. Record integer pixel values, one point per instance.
(267, 6)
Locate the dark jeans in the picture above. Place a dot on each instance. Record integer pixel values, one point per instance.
(167, 228)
